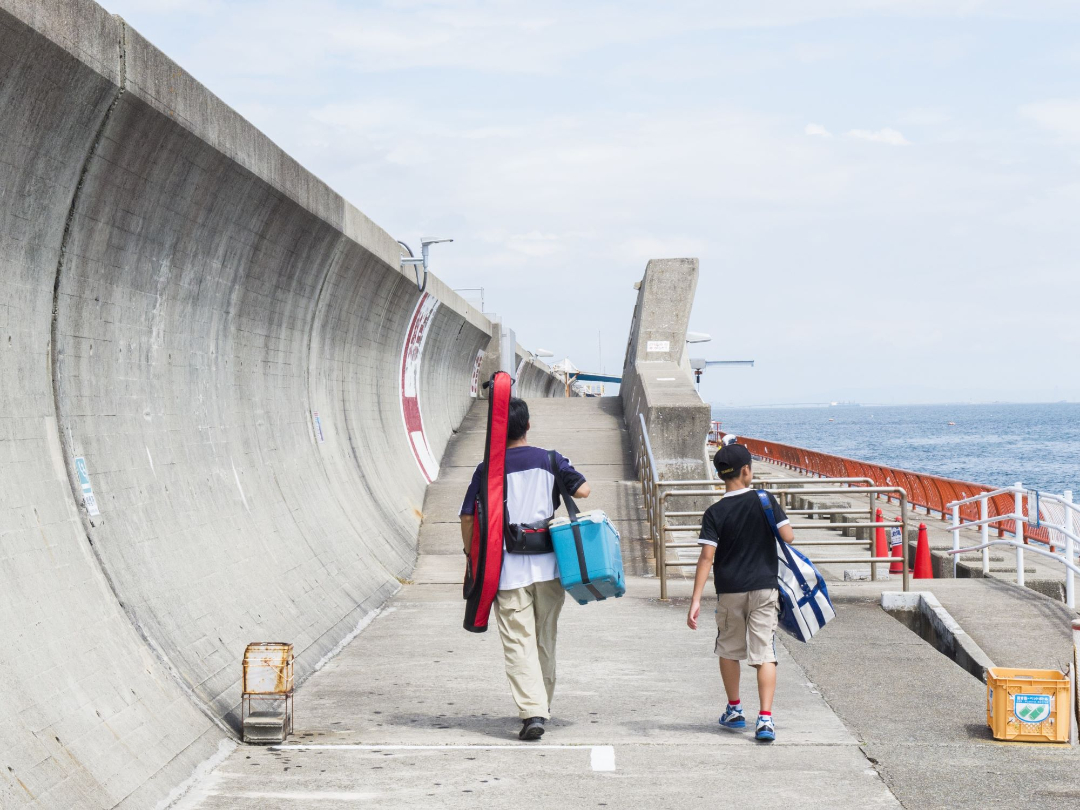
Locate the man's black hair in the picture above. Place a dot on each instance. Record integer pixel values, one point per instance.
(519, 419)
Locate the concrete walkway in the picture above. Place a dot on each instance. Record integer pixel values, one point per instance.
(416, 712)
(919, 716)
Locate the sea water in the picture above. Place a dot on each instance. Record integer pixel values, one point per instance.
(998, 445)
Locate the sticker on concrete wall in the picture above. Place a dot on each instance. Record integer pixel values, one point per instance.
(318, 426)
(412, 355)
(474, 386)
(658, 346)
(87, 490)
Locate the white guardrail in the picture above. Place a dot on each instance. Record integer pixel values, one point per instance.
(1052, 512)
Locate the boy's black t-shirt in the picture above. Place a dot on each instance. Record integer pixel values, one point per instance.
(745, 545)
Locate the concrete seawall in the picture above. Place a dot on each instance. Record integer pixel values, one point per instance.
(258, 394)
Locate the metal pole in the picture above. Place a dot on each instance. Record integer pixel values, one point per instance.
(1018, 529)
(661, 547)
(984, 513)
(904, 545)
(955, 537)
(873, 544)
(1070, 599)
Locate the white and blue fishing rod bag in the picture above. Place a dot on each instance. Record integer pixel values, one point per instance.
(805, 606)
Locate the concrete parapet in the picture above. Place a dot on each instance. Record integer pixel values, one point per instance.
(657, 381)
(924, 615)
(535, 377)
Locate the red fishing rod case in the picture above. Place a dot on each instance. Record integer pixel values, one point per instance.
(490, 519)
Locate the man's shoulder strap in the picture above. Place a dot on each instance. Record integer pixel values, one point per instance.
(560, 485)
(766, 504)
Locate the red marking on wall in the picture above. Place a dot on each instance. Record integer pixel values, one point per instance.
(412, 354)
(474, 387)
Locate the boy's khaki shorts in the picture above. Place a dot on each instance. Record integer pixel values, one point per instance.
(745, 625)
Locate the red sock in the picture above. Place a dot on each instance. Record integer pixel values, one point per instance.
(765, 714)
(735, 702)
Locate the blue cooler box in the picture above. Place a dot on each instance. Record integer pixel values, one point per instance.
(603, 557)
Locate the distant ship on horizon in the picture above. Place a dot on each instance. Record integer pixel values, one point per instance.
(845, 405)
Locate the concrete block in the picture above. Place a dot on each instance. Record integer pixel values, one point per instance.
(657, 381)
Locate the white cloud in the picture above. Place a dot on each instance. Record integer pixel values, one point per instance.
(817, 131)
(1059, 116)
(888, 136)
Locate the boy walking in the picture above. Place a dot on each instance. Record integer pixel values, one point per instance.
(530, 595)
(737, 543)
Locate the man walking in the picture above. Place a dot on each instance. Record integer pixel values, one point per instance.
(530, 595)
(738, 544)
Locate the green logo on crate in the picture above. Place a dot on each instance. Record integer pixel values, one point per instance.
(1031, 708)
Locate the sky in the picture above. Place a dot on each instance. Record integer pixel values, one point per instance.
(884, 195)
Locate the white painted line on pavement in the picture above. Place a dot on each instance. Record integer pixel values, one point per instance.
(601, 757)
(298, 796)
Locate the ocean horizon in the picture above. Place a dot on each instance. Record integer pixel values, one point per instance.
(996, 444)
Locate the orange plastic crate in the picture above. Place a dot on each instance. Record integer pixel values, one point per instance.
(1027, 705)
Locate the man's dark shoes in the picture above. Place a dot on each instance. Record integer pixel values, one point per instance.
(532, 729)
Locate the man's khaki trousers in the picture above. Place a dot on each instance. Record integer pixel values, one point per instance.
(527, 619)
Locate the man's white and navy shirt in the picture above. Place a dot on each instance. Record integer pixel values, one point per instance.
(531, 496)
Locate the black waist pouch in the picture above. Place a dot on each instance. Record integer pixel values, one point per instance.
(529, 538)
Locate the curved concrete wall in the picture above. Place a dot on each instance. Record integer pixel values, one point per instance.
(535, 378)
(259, 394)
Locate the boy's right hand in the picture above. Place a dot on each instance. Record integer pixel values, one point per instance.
(692, 616)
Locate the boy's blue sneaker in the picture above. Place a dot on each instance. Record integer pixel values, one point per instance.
(766, 731)
(733, 717)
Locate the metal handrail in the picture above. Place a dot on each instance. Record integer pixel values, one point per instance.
(868, 481)
(1020, 522)
(661, 528)
(656, 494)
(983, 496)
(1036, 549)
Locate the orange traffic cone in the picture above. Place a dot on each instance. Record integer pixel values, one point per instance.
(897, 549)
(881, 545)
(923, 567)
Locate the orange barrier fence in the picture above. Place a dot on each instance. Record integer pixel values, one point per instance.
(931, 492)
